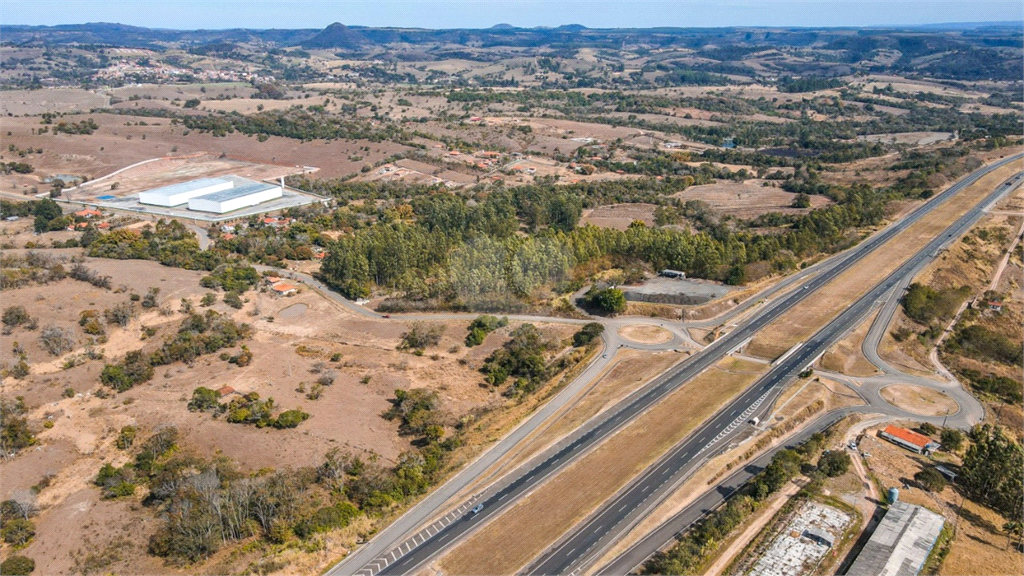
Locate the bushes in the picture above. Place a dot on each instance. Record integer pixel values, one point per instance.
(482, 326)
(15, 316)
(587, 334)
(249, 409)
(17, 566)
(116, 482)
(952, 439)
(56, 340)
(131, 371)
(290, 419)
(327, 518)
(521, 358)
(14, 432)
(81, 273)
(421, 336)
(979, 342)
(415, 409)
(204, 400)
(231, 278)
(609, 300)
(1006, 389)
(926, 305)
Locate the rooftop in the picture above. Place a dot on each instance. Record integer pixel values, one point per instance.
(901, 542)
(240, 190)
(180, 187)
(908, 436)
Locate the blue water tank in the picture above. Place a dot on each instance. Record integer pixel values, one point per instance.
(894, 495)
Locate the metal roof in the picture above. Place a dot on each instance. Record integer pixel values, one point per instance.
(900, 543)
(189, 186)
(240, 190)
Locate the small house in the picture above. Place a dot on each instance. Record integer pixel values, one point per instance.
(284, 289)
(818, 536)
(88, 213)
(225, 391)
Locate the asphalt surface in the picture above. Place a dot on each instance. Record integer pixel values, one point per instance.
(633, 503)
(613, 519)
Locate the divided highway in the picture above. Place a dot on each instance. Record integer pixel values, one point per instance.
(594, 536)
(410, 556)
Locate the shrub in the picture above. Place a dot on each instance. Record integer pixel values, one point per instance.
(209, 299)
(126, 438)
(120, 314)
(927, 428)
(18, 531)
(290, 419)
(587, 334)
(134, 369)
(481, 326)
(15, 316)
(17, 566)
(421, 336)
(233, 299)
(150, 299)
(204, 400)
(56, 340)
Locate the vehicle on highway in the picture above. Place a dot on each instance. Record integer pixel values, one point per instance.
(476, 509)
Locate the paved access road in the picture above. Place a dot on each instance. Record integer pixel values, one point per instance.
(422, 549)
(588, 541)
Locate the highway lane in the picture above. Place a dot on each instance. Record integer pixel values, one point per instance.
(413, 555)
(712, 499)
(588, 541)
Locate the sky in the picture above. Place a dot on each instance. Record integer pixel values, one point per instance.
(219, 14)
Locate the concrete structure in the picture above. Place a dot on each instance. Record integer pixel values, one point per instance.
(178, 194)
(901, 542)
(802, 543)
(239, 196)
(909, 439)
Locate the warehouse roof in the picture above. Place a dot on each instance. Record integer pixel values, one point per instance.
(181, 187)
(901, 542)
(238, 191)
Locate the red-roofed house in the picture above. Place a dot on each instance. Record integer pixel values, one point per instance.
(88, 213)
(284, 289)
(909, 439)
(225, 391)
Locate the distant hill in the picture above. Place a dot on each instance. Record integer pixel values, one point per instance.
(338, 35)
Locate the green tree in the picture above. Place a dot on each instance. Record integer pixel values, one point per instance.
(931, 480)
(991, 467)
(952, 439)
(607, 300)
(834, 463)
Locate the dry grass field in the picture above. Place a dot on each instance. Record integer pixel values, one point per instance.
(748, 199)
(645, 334)
(919, 400)
(618, 216)
(846, 357)
(539, 518)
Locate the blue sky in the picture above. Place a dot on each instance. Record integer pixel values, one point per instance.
(193, 14)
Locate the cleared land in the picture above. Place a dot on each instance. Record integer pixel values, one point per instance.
(645, 334)
(539, 518)
(748, 199)
(919, 400)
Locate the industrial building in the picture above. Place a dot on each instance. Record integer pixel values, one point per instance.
(901, 542)
(247, 194)
(178, 194)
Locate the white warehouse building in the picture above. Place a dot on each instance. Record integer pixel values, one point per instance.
(178, 194)
(248, 193)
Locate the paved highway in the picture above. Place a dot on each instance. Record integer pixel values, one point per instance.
(420, 549)
(589, 540)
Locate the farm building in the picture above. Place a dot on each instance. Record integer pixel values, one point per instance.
(247, 194)
(901, 542)
(182, 192)
(909, 439)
